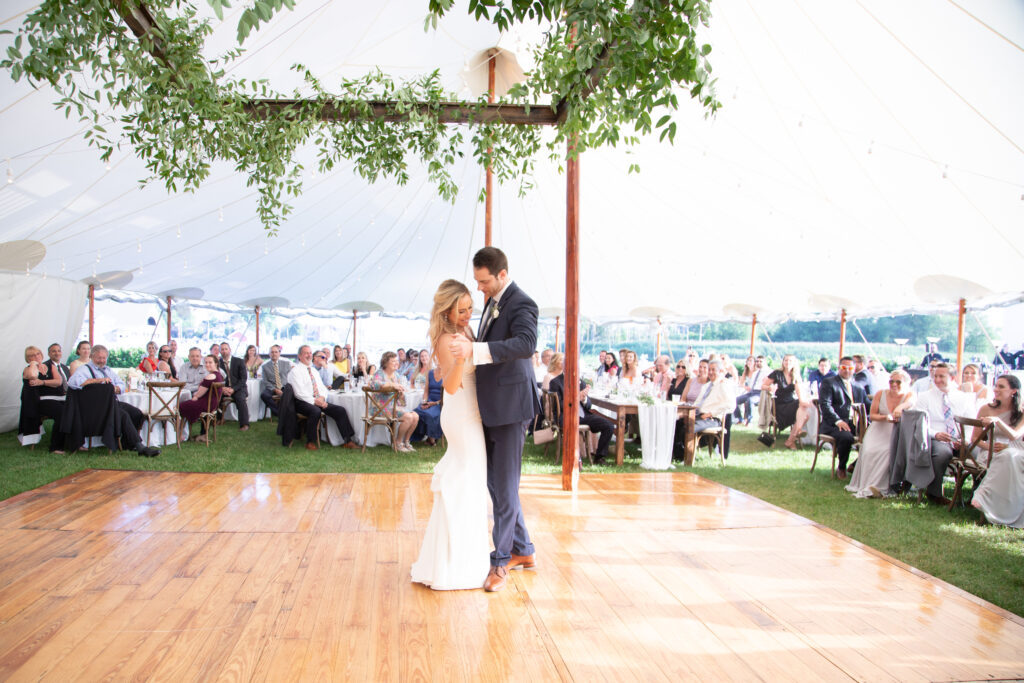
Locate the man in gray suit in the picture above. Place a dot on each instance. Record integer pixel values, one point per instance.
(274, 376)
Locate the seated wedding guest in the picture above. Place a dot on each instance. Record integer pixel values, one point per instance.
(942, 403)
(42, 397)
(727, 367)
(541, 370)
(273, 377)
(696, 382)
(215, 351)
(328, 371)
(429, 410)
(630, 370)
(599, 425)
(662, 376)
(1000, 496)
(235, 376)
(387, 379)
(932, 355)
(971, 384)
(340, 359)
(871, 476)
(879, 377)
(253, 362)
(717, 398)
(149, 362)
(836, 397)
(819, 375)
(792, 408)
(925, 383)
(403, 363)
(600, 362)
(861, 377)
(622, 359)
(311, 400)
(362, 367)
(166, 362)
(555, 368)
(83, 350)
(750, 385)
(193, 373)
(195, 406)
(692, 361)
(178, 362)
(677, 386)
(610, 365)
(418, 376)
(414, 364)
(97, 372)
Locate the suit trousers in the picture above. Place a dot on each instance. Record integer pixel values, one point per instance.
(745, 401)
(136, 416)
(603, 428)
(844, 442)
(941, 453)
(241, 400)
(268, 398)
(55, 410)
(504, 445)
(312, 413)
(130, 424)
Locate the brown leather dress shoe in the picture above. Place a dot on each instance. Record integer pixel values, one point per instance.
(495, 580)
(520, 562)
(938, 500)
(350, 444)
(310, 446)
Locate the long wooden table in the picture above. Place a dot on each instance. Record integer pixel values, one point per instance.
(687, 412)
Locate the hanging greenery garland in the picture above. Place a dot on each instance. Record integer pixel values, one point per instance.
(604, 66)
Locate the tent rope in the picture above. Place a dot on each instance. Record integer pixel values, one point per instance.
(990, 341)
(871, 349)
(776, 354)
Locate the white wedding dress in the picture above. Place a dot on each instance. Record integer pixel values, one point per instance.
(1000, 496)
(456, 546)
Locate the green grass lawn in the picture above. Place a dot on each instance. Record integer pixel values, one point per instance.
(987, 561)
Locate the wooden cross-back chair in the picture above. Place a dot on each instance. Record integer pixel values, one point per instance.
(966, 461)
(715, 437)
(859, 417)
(164, 402)
(381, 408)
(210, 416)
(551, 406)
(321, 424)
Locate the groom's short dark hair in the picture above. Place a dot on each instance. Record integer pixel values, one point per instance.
(491, 258)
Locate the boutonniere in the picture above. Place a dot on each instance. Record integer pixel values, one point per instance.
(495, 311)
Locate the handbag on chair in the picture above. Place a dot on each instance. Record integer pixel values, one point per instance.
(543, 435)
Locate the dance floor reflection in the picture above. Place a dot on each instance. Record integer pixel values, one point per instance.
(654, 576)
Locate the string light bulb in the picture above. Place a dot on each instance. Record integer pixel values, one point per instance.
(266, 249)
(62, 266)
(220, 214)
(10, 173)
(186, 263)
(303, 240)
(871, 147)
(107, 165)
(227, 258)
(97, 256)
(179, 231)
(945, 171)
(138, 246)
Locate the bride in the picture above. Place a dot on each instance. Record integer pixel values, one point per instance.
(1000, 496)
(455, 550)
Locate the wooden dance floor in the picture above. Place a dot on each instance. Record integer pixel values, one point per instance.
(653, 577)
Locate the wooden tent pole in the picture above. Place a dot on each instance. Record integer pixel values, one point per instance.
(489, 207)
(257, 328)
(842, 332)
(753, 333)
(570, 414)
(92, 311)
(168, 320)
(960, 337)
(354, 335)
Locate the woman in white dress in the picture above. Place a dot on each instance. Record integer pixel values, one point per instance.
(1000, 496)
(871, 475)
(456, 548)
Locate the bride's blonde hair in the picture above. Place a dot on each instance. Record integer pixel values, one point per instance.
(445, 299)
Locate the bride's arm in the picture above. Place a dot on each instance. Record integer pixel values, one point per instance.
(1012, 433)
(450, 366)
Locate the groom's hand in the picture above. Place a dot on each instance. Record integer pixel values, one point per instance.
(461, 347)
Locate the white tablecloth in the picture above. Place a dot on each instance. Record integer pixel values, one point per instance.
(657, 431)
(355, 405)
(163, 433)
(256, 411)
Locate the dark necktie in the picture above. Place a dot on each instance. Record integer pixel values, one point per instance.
(484, 318)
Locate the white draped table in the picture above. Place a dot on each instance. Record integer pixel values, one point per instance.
(164, 432)
(354, 404)
(657, 433)
(253, 401)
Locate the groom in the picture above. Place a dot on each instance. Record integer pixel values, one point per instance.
(506, 392)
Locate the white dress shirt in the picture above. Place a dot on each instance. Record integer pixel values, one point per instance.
(303, 378)
(930, 402)
(481, 351)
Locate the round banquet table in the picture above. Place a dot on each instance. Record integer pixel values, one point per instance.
(163, 433)
(354, 404)
(256, 407)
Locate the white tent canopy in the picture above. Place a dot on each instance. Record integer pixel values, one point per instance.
(869, 154)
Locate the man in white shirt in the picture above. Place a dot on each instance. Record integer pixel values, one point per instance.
(751, 391)
(716, 398)
(942, 403)
(311, 400)
(193, 372)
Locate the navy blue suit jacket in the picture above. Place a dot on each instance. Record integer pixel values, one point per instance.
(834, 404)
(506, 388)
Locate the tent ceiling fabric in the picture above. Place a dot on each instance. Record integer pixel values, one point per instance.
(856, 155)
